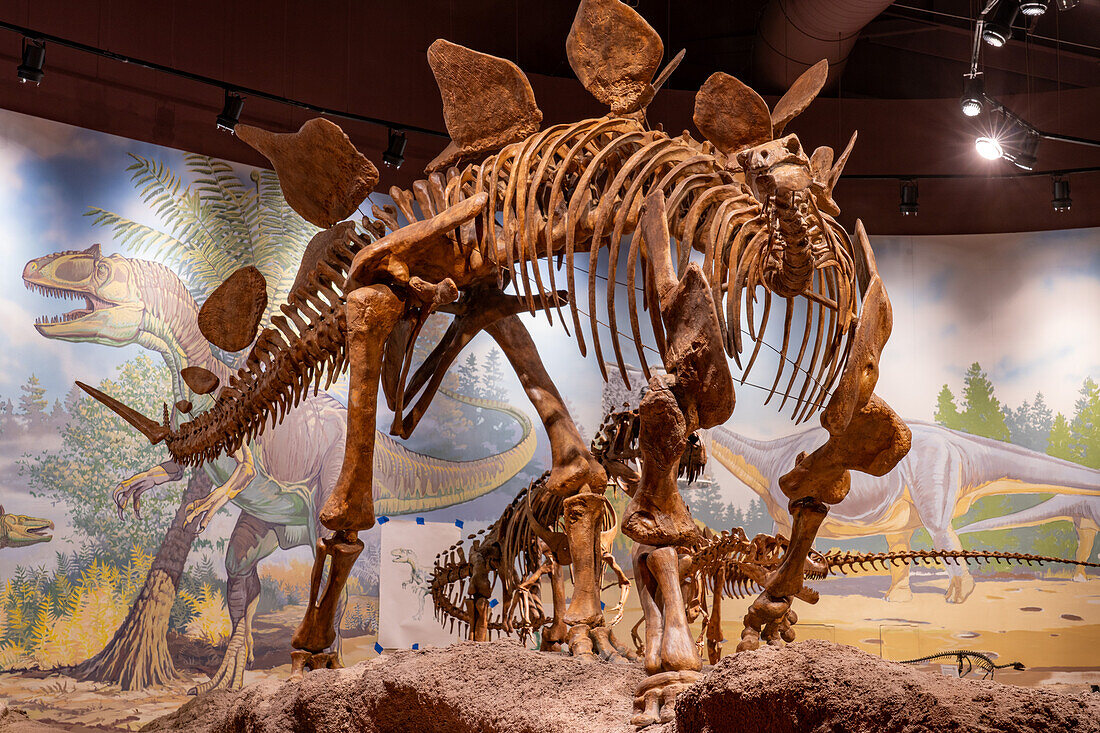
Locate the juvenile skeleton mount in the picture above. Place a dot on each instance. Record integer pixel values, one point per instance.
(505, 205)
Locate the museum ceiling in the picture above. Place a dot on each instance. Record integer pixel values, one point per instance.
(897, 82)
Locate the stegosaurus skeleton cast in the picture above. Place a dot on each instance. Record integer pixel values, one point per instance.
(749, 200)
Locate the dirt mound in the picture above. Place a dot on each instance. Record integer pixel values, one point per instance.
(497, 686)
(819, 687)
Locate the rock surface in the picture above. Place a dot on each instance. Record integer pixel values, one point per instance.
(467, 687)
(499, 687)
(817, 686)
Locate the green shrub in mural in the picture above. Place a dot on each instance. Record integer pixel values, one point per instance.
(96, 450)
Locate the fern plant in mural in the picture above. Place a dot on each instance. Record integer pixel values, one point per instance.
(214, 225)
(210, 227)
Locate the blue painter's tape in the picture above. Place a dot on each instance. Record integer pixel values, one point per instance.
(383, 519)
(378, 647)
(458, 523)
(493, 603)
(420, 520)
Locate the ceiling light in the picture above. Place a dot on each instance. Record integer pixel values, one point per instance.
(34, 58)
(394, 154)
(231, 111)
(973, 95)
(909, 204)
(1060, 199)
(998, 29)
(1033, 8)
(988, 147)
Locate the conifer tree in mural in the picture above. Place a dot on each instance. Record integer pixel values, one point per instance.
(981, 413)
(1042, 523)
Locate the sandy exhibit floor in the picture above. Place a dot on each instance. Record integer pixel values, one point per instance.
(1051, 625)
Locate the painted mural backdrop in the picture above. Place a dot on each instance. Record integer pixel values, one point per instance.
(111, 244)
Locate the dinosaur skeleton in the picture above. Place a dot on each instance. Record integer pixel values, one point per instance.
(967, 660)
(732, 565)
(512, 552)
(505, 197)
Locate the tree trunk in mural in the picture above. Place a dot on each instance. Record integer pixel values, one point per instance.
(137, 656)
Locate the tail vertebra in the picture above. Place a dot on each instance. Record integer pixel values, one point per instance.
(842, 562)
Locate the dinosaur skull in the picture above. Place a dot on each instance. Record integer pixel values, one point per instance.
(22, 531)
(777, 168)
(113, 306)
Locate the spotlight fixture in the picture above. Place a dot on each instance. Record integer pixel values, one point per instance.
(909, 204)
(998, 29)
(394, 154)
(1033, 8)
(973, 95)
(34, 58)
(989, 147)
(1060, 199)
(231, 111)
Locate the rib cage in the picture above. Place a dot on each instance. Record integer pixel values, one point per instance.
(519, 556)
(511, 532)
(578, 188)
(565, 191)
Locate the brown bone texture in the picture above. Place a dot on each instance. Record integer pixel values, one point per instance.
(804, 90)
(487, 101)
(320, 249)
(230, 316)
(324, 178)
(730, 114)
(574, 190)
(614, 53)
(199, 379)
(371, 315)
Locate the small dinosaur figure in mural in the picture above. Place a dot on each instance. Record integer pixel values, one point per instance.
(939, 480)
(967, 660)
(19, 530)
(280, 479)
(417, 579)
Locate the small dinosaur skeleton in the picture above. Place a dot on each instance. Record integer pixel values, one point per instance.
(744, 215)
(967, 660)
(512, 552)
(732, 565)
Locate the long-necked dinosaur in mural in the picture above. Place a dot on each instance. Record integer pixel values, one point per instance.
(945, 472)
(20, 530)
(282, 478)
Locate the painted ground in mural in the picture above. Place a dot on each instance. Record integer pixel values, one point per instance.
(115, 243)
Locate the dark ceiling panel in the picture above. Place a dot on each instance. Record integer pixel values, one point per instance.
(899, 90)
